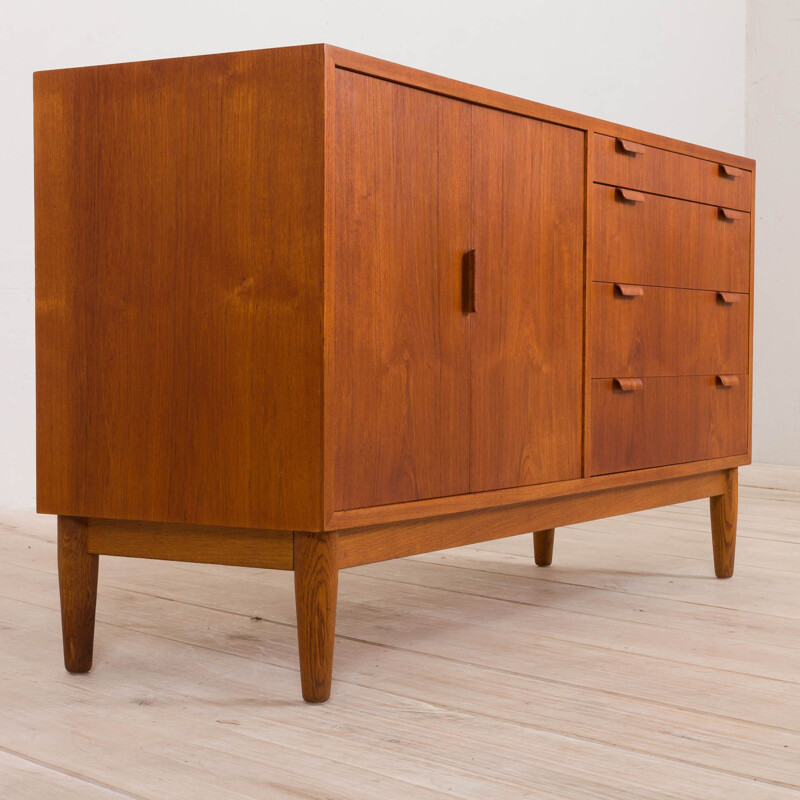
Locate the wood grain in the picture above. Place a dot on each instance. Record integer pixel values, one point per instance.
(179, 289)
(202, 544)
(667, 332)
(384, 542)
(316, 582)
(401, 342)
(543, 547)
(369, 65)
(667, 242)
(77, 581)
(526, 337)
(669, 173)
(672, 419)
(398, 512)
(724, 510)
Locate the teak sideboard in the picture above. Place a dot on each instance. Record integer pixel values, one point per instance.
(304, 309)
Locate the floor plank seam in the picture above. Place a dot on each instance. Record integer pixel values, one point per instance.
(71, 774)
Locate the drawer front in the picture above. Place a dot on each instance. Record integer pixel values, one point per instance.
(664, 172)
(661, 241)
(661, 421)
(647, 330)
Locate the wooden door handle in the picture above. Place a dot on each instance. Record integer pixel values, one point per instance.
(628, 147)
(729, 215)
(628, 290)
(468, 282)
(629, 196)
(729, 172)
(727, 380)
(628, 384)
(728, 298)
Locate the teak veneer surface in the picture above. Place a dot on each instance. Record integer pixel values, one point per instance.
(667, 421)
(661, 241)
(179, 289)
(525, 336)
(666, 331)
(401, 343)
(670, 173)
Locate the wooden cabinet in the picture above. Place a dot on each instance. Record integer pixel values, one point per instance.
(304, 309)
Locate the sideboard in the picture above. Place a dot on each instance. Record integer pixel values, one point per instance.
(305, 309)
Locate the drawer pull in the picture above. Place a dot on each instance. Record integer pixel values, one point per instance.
(729, 215)
(629, 196)
(727, 380)
(728, 298)
(629, 290)
(628, 384)
(468, 282)
(628, 147)
(729, 172)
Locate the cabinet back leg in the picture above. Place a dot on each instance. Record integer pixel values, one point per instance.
(316, 583)
(724, 514)
(77, 581)
(543, 547)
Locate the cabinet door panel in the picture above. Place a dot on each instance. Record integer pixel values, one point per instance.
(400, 401)
(526, 334)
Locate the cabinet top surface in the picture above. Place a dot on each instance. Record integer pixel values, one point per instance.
(335, 57)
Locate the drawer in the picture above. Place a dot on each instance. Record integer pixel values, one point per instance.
(661, 241)
(661, 171)
(647, 330)
(666, 421)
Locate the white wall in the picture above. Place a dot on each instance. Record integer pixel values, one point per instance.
(672, 66)
(773, 139)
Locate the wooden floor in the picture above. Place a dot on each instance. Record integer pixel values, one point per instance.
(625, 670)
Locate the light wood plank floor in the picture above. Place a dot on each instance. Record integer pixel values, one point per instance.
(625, 670)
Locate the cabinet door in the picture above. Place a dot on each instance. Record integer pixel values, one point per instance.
(400, 394)
(526, 332)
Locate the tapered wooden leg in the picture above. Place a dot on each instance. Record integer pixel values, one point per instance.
(543, 547)
(316, 584)
(77, 581)
(724, 513)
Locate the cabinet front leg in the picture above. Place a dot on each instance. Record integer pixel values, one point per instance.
(77, 581)
(316, 583)
(724, 513)
(543, 547)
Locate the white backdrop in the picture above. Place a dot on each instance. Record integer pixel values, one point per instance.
(773, 139)
(676, 67)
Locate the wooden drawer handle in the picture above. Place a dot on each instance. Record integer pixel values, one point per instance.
(727, 380)
(629, 290)
(628, 147)
(729, 298)
(468, 282)
(629, 196)
(628, 384)
(728, 214)
(729, 172)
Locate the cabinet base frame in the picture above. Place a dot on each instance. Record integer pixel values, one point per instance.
(316, 557)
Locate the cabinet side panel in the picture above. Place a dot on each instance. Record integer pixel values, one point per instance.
(179, 289)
